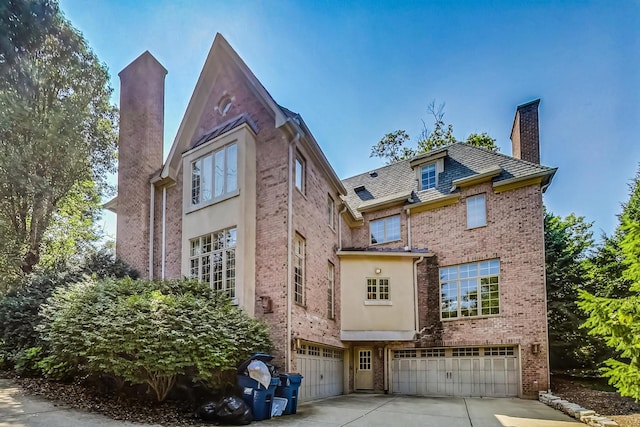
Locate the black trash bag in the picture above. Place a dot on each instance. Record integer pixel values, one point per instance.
(233, 410)
(207, 412)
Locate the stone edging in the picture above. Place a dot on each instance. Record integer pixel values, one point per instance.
(576, 411)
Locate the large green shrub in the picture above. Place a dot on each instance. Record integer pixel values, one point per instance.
(19, 311)
(149, 332)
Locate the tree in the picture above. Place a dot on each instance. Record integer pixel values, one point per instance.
(618, 319)
(391, 147)
(606, 266)
(25, 25)
(567, 244)
(482, 140)
(57, 136)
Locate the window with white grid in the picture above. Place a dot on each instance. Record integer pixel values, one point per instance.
(298, 269)
(212, 259)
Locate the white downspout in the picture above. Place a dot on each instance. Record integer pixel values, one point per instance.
(164, 228)
(152, 202)
(344, 209)
(287, 346)
(415, 292)
(409, 228)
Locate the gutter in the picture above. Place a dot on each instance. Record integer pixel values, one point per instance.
(152, 202)
(289, 334)
(415, 292)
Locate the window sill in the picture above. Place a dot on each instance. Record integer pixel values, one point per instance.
(377, 302)
(476, 226)
(484, 316)
(193, 208)
(385, 242)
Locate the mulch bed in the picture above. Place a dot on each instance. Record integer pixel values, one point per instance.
(624, 410)
(117, 407)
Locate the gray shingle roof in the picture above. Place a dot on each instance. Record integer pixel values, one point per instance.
(462, 161)
(230, 124)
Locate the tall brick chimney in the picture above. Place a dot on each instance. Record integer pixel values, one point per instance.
(139, 156)
(525, 135)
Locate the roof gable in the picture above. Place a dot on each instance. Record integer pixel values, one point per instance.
(221, 54)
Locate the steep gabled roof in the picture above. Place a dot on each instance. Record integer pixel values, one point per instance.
(462, 161)
(222, 53)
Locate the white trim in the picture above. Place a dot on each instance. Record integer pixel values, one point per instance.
(377, 335)
(164, 229)
(152, 202)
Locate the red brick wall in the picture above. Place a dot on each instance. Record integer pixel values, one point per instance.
(514, 234)
(139, 156)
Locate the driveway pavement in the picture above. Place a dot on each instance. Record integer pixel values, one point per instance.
(18, 410)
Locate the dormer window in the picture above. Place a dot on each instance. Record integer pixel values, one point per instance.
(428, 176)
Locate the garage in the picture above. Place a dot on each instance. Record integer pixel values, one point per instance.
(458, 371)
(322, 369)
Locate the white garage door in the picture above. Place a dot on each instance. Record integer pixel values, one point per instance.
(464, 371)
(322, 369)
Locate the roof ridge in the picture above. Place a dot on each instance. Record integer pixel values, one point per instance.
(506, 156)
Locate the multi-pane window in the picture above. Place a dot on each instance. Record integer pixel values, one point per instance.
(377, 289)
(299, 173)
(212, 259)
(331, 211)
(385, 229)
(470, 289)
(215, 175)
(428, 177)
(298, 269)
(476, 211)
(331, 271)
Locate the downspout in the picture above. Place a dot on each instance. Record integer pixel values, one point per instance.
(415, 292)
(164, 228)
(409, 228)
(344, 209)
(287, 347)
(152, 203)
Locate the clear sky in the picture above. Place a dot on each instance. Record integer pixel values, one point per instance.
(357, 70)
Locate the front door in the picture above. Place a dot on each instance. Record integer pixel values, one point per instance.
(364, 368)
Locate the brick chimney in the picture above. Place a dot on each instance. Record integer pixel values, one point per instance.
(525, 136)
(139, 156)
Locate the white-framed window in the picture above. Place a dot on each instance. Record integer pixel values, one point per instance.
(331, 274)
(299, 173)
(428, 176)
(470, 290)
(214, 176)
(212, 259)
(331, 211)
(476, 211)
(299, 269)
(377, 289)
(385, 229)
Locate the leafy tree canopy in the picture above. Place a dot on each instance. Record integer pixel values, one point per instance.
(57, 135)
(392, 146)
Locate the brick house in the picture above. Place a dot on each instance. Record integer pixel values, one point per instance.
(421, 277)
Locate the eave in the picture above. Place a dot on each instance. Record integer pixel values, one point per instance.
(428, 205)
(482, 176)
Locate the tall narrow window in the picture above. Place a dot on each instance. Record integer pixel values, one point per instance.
(213, 260)
(331, 211)
(476, 211)
(298, 269)
(331, 271)
(428, 177)
(215, 176)
(299, 173)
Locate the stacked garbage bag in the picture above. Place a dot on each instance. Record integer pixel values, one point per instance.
(264, 393)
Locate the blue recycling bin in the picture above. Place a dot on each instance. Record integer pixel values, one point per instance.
(288, 388)
(259, 399)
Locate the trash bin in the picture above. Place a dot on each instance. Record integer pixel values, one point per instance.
(259, 399)
(289, 386)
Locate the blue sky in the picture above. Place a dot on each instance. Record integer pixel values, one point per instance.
(357, 70)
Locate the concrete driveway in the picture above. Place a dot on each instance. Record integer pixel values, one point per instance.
(18, 410)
